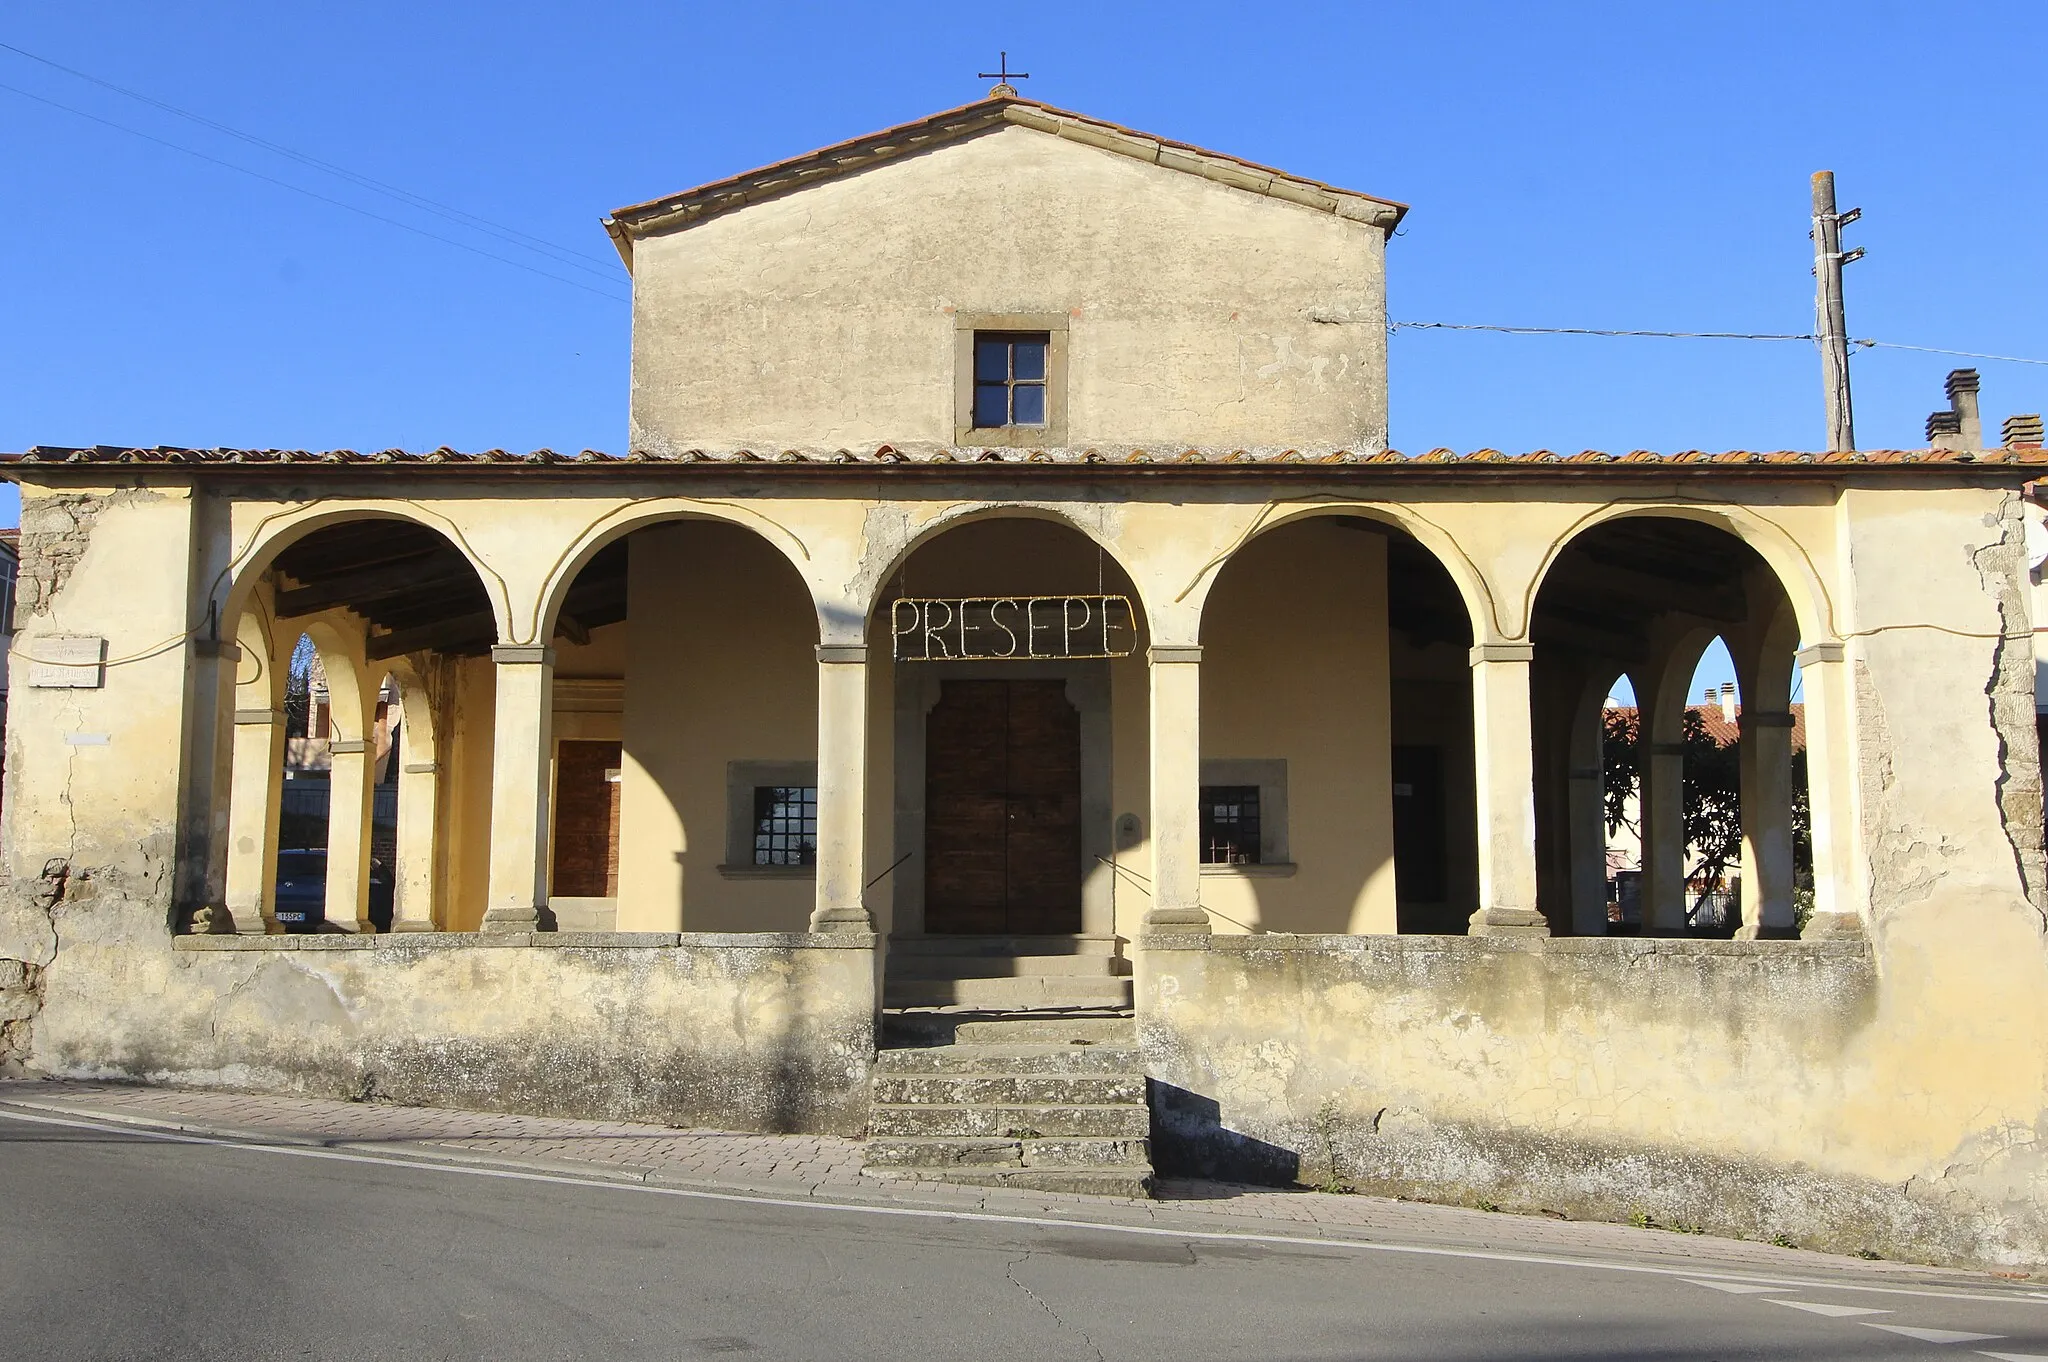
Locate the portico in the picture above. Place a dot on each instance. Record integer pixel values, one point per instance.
(1019, 609)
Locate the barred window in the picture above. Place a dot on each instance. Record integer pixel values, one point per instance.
(785, 825)
(1230, 825)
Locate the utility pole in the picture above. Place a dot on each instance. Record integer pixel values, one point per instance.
(1830, 330)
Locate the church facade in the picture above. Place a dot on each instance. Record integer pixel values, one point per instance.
(1009, 603)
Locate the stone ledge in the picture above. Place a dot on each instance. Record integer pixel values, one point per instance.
(414, 942)
(1398, 944)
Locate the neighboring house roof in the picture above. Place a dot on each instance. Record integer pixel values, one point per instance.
(1996, 465)
(970, 120)
(10, 544)
(1720, 727)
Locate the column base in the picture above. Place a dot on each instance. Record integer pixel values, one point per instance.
(408, 925)
(1832, 927)
(848, 919)
(1765, 931)
(1508, 922)
(1178, 920)
(526, 918)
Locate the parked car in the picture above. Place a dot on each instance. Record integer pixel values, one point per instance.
(300, 901)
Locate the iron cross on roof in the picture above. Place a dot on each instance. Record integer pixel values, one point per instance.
(1003, 75)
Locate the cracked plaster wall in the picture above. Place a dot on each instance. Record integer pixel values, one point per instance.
(756, 1033)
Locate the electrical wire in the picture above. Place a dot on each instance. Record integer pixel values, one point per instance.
(1700, 335)
(312, 194)
(582, 260)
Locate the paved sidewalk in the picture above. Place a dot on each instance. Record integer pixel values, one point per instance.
(828, 1168)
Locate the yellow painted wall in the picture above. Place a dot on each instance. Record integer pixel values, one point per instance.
(720, 667)
(468, 754)
(1294, 668)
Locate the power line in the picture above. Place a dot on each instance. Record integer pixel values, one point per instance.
(1590, 331)
(511, 235)
(1933, 350)
(311, 194)
(1697, 335)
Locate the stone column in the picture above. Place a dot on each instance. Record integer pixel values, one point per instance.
(842, 789)
(1503, 742)
(1586, 813)
(349, 794)
(1661, 807)
(1837, 878)
(1176, 742)
(1766, 825)
(419, 819)
(522, 754)
(255, 791)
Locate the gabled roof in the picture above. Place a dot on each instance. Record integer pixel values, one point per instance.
(860, 153)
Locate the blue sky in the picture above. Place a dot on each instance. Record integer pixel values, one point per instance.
(1626, 166)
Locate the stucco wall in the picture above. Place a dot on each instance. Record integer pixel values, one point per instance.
(720, 667)
(758, 1032)
(1197, 313)
(1294, 668)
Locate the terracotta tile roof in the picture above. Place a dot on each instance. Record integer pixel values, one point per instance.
(2026, 462)
(1722, 729)
(859, 153)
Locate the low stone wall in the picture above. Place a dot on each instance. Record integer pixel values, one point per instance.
(752, 1032)
(1712, 1085)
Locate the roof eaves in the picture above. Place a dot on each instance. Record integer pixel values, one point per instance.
(707, 200)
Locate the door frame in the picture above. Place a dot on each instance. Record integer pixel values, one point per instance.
(1087, 687)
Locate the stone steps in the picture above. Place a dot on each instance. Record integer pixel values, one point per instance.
(1046, 1102)
(956, 946)
(1006, 966)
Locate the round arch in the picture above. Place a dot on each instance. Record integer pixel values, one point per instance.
(1471, 585)
(237, 583)
(953, 519)
(610, 529)
(1797, 577)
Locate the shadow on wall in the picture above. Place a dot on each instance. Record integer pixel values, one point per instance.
(1190, 1140)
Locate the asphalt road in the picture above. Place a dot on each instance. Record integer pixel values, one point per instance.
(118, 1245)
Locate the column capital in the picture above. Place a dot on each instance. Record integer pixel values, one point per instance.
(420, 768)
(842, 654)
(1174, 653)
(259, 716)
(1502, 652)
(1818, 652)
(523, 654)
(344, 746)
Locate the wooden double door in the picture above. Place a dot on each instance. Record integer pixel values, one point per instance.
(1002, 810)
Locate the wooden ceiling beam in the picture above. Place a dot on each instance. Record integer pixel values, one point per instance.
(474, 632)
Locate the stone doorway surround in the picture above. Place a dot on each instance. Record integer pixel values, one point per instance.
(1088, 691)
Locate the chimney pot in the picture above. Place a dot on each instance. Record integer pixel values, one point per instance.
(1944, 430)
(1728, 701)
(2023, 431)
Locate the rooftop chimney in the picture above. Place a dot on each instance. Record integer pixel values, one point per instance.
(2023, 431)
(1728, 701)
(1959, 427)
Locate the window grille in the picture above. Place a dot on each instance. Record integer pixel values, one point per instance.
(1230, 825)
(785, 825)
(1009, 378)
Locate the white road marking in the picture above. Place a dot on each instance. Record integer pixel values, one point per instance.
(1734, 1288)
(2017, 1357)
(429, 1165)
(1830, 1309)
(1933, 1335)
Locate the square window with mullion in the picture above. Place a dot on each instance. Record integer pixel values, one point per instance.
(785, 825)
(1230, 825)
(1009, 378)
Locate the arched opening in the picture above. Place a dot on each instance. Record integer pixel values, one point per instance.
(1336, 745)
(1665, 734)
(351, 637)
(684, 730)
(1008, 680)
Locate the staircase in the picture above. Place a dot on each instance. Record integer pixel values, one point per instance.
(1048, 1102)
(1007, 973)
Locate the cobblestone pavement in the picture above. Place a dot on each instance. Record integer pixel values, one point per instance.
(828, 1168)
